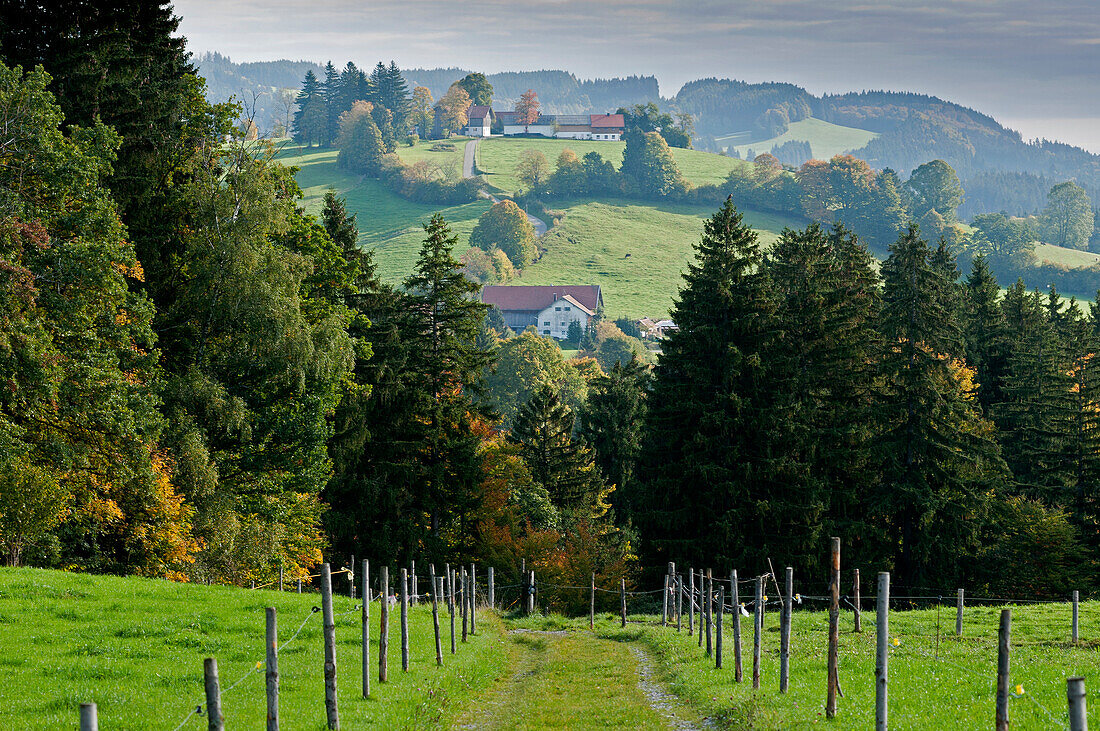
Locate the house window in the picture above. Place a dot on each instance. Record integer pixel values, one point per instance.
(545, 332)
(558, 309)
(567, 309)
(546, 323)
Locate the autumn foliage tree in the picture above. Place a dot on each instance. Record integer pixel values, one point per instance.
(528, 109)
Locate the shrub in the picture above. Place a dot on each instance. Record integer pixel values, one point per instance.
(506, 227)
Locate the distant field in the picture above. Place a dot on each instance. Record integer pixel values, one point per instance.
(635, 252)
(447, 159)
(826, 139)
(497, 158)
(388, 224)
(1061, 256)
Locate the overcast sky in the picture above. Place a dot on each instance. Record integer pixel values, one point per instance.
(1033, 65)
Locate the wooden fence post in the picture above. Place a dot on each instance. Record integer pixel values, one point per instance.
(785, 632)
(473, 599)
(451, 606)
(959, 613)
(271, 640)
(702, 608)
(592, 601)
(384, 622)
(299, 586)
(492, 589)
(89, 717)
(366, 628)
(735, 597)
(1075, 696)
(622, 600)
(1004, 643)
(710, 609)
(215, 721)
(351, 578)
(691, 602)
(437, 589)
(857, 608)
(834, 631)
(531, 593)
(1074, 635)
(280, 575)
(415, 596)
(718, 628)
(331, 712)
(882, 650)
(679, 602)
(405, 620)
(664, 604)
(757, 627)
(464, 583)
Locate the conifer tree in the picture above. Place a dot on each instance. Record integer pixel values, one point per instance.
(333, 96)
(984, 332)
(309, 121)
(543, 429)
(939, 460)
(705, 434)
(822, 380)
(612, 422)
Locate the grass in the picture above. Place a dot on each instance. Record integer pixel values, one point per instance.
(136, 646)
(636, 252)
(1062, 256)
(497, 158)
(449, 160)
(388, 224)
(957, 690)
(826, 139)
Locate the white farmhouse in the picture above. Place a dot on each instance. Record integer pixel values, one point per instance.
(480, 121)
(550, 309)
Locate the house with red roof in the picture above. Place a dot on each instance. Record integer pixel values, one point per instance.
(550, 309)
(566, 126)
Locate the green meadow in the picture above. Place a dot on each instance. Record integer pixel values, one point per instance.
(826, 139)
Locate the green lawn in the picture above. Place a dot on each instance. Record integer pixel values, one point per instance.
(136, 646)
(497, 158)
(1061, 256)
(388, 224)
(826, 139)
(635, 252)
(449, 160)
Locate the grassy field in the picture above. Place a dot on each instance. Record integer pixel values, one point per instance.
(497, 158)
(447, 159)
(933, 685)
(388, 224)
(135, 647)
(635, 252)
(1061, 256)
(826, 139)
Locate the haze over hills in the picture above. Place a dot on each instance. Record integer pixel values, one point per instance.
(1001, 171)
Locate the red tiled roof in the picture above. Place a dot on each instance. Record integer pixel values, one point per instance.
(477, 111)
(533, 298)
(607, 120)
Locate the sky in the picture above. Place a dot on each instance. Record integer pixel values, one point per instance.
(1033, 65)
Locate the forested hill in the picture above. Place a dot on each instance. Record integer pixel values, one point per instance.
(267, 88)
(560, 92)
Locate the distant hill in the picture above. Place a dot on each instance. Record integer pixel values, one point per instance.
(899, 130)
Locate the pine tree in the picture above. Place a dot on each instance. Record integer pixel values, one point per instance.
(543, 429)
(939, 461)
(984, 332)
(612, 423)
(705, 431)
(822, 381)
(309, 120)
(333, 96)
(944, 263)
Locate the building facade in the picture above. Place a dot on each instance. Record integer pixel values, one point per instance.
(550, 309)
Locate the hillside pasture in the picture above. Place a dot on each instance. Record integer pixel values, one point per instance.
(1062, 256)
(497, 158)
(636, 252)
(826, 139)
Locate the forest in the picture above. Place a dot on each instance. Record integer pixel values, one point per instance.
(205, 383)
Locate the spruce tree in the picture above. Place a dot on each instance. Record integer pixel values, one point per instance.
(706, 432)
(612, 423)
(939, 461)
(543, 429)
(821, 372)
(309, 121)
(984, 332)
(332, 97)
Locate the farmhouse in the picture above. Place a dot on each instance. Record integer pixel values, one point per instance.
(550, 309)
(480, 121)
(566, 126)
